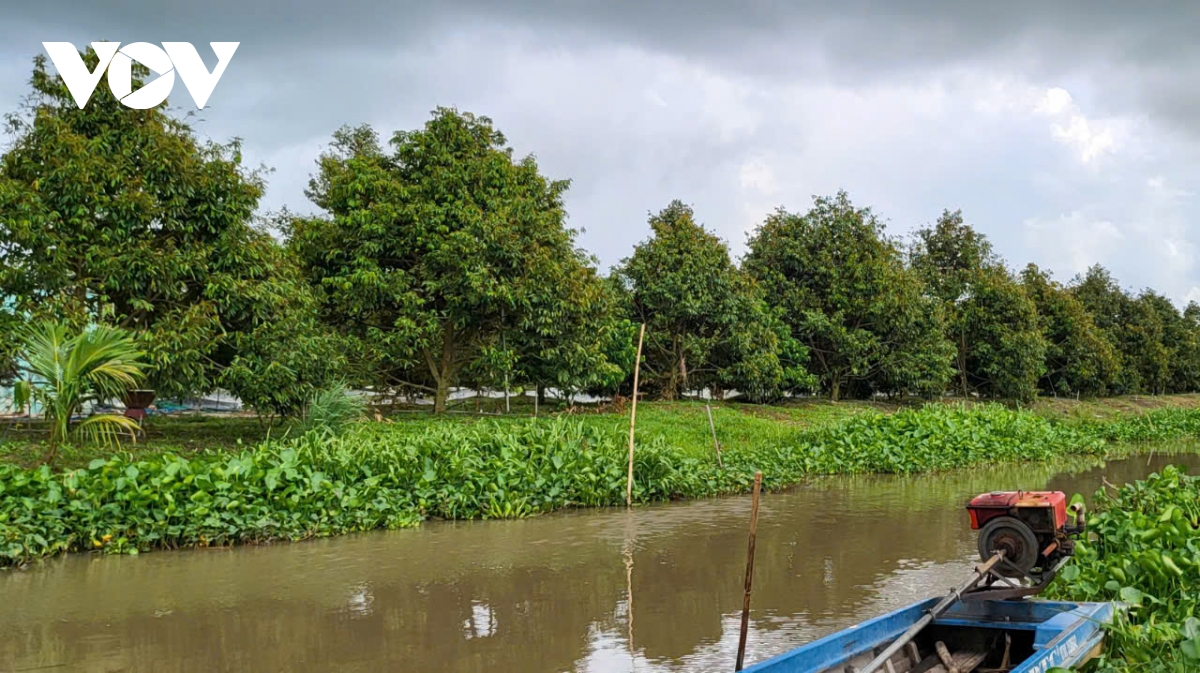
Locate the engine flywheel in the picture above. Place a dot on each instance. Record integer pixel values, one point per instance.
(1015, 538)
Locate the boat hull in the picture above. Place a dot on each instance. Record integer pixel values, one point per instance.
(1040, 635)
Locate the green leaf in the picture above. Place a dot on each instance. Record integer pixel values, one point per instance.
(1132, 596)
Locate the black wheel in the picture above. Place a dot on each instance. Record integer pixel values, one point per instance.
(1017, 540)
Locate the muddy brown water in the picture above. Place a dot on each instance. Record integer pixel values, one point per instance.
(595, 591)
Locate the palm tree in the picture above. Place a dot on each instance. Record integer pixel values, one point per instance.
(64, 371)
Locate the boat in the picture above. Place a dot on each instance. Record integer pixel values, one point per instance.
(991, 623)
(1014, 636)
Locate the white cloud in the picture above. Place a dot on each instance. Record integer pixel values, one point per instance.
(1091, 138)
(1073, 241)
(1140, 232)
(757, 176)
(1088, 137)
(1056, 101)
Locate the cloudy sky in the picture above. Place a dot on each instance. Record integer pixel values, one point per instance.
(1068, 131)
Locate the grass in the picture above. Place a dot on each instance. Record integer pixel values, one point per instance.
(22, 444)
(682, 424)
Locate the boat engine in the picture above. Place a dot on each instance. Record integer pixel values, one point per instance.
(1032, 528)
(1023, 535)
(1025, 538)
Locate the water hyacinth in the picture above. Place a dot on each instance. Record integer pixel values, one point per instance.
(1143, 548)
(391, 475)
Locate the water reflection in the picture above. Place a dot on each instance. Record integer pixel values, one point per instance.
(657, 589)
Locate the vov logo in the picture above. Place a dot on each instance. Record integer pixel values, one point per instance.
(178, 57)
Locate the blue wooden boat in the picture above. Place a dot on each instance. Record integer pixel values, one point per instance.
(989, 623)
(1037, 636)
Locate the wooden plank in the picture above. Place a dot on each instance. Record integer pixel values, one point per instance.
(964, 662)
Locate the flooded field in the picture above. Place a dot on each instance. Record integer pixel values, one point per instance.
(596, 591)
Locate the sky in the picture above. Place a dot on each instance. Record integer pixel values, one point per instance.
(1067, 132)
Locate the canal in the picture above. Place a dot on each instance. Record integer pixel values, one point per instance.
(592, 591)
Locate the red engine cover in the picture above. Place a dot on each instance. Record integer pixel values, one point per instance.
(984, 507)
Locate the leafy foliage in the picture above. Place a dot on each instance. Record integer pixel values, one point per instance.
(580, 342)
(1079, 357)
(433, 254)
(1156, 346)
(123, 217)
(707, 325)
(847, 297)
(991, 321)
(65, 371)
(1143, 548)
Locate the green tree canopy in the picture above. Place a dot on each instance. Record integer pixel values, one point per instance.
(1128, 326)
(706, 323)
(991, 321)
(1177, 368)
(122, 216)
(579, 340)
(444, 259)
(1079, 357)
(847, 296)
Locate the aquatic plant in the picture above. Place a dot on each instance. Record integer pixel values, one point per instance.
(1143, 548)
(1156, 425)
(389, 475)
(940, 437)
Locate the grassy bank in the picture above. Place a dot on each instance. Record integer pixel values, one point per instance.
(681, 424)
(388, 475)
(1144, 549)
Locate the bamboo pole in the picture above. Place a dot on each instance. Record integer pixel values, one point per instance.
(713, 427)
(628, 551)
(741, 655)
(637, 366)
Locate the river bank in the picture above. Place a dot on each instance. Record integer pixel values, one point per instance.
(394, 475)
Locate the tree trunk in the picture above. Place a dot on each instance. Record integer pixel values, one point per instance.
(441, 395)
(442, 371)
(962, 364)
(672, 388)
(834, 389)
(541, 395)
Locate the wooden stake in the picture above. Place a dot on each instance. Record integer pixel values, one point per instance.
(637, 366)
(741, 655)
(711, 426)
